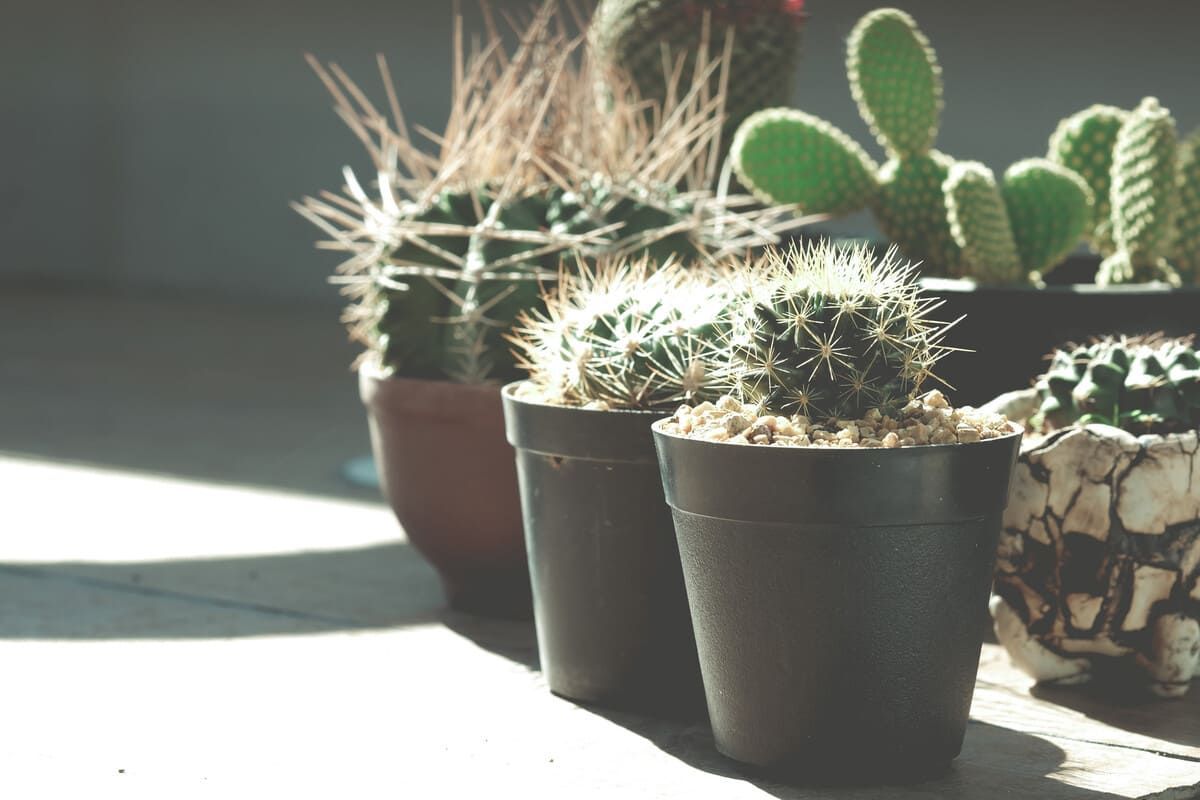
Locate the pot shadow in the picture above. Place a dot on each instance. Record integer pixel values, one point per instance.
(992, 756)
(515, 640)
(379, 586)
(1115, 699)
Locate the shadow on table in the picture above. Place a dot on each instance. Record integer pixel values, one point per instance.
(995, 761)
(515, 640)
(380, 586)
(1112, 702)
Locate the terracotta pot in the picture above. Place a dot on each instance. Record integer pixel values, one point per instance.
(448, 473)
(1099, 559)
(836, 595)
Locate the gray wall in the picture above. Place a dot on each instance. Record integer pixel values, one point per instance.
(155, 144)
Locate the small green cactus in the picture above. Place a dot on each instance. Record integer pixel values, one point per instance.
(828, 332)
(1049, 208)
(1083, 143)
(789, 156)
(979, 221)
(1144, 195)
(1144, 385)
(1185, 256)
(625, 334)
(638, 37)
(532, 169)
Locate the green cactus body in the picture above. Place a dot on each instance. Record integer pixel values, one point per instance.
(1083, 143)
(787, 156)
(911, 209)
(979, 223)
(829, 333)
(1144, 196)
(1049, 208)
(625, 335)
(1185, 256)
(896, 81)
(1141, 385)
(637, 36)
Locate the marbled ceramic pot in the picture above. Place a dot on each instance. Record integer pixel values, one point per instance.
(1099, 558)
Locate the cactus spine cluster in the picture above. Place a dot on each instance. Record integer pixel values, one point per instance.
(955, 221)
(532, 168)
(639, 36)
(1144, 385)
(828, 332)
(625, 334)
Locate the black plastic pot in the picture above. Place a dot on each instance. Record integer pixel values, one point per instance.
(836, 597)
(1012, 328)
(612, 617)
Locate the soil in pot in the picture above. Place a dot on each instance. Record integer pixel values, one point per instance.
(448, 474)
(836, 590)
(612, 618)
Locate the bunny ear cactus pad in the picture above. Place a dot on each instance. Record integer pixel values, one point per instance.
(1049, 208)
(787, 156)
(979, 223)
(1144, 194)
(1083, 143)
(896, 81)
(1186, 255)
(911, 209)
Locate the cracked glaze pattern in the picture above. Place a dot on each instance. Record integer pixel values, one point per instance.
(1100, 556)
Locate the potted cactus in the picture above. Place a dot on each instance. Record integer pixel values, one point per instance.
(445, 251)
(836, 527)
(615, 349)
(1099, 559)
(1114, 179)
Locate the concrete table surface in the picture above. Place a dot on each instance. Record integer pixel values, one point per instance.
(167, 638)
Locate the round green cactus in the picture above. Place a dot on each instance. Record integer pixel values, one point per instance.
(625, 335)
(786, 156)
(896, 81)
(1083, 143)
(979, 224)
(1049, 209)
(1185, 255)
(1144, 196)
(1144, 385)
(911, 209)
(636, 37)
(829, 332)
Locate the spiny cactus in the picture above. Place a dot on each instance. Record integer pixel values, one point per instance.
(790, 156)
(1144, 195)
(638, 37)
(532, 167)
(828, 332)
(1083, 143)
(1144, 385)
(1185, 256)
(624, 335)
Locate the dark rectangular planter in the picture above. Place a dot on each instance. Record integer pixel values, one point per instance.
(612, 619)
(836, 597)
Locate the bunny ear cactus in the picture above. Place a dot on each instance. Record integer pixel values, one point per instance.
(1049, 207)
(531, 169)
(624, 335)
(639, 37)
(1144, 195)
(1144, 385)
(1083, 143)
(828, 332)
(979, 221)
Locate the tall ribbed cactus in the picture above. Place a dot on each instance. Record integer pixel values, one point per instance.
(789, 156)
(828, 332)
(625, 334)
(1144, 195)
(639, 36)
(532, 168)
(1185, 255)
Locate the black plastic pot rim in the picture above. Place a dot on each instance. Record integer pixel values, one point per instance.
(966, 285)
(590, 434)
